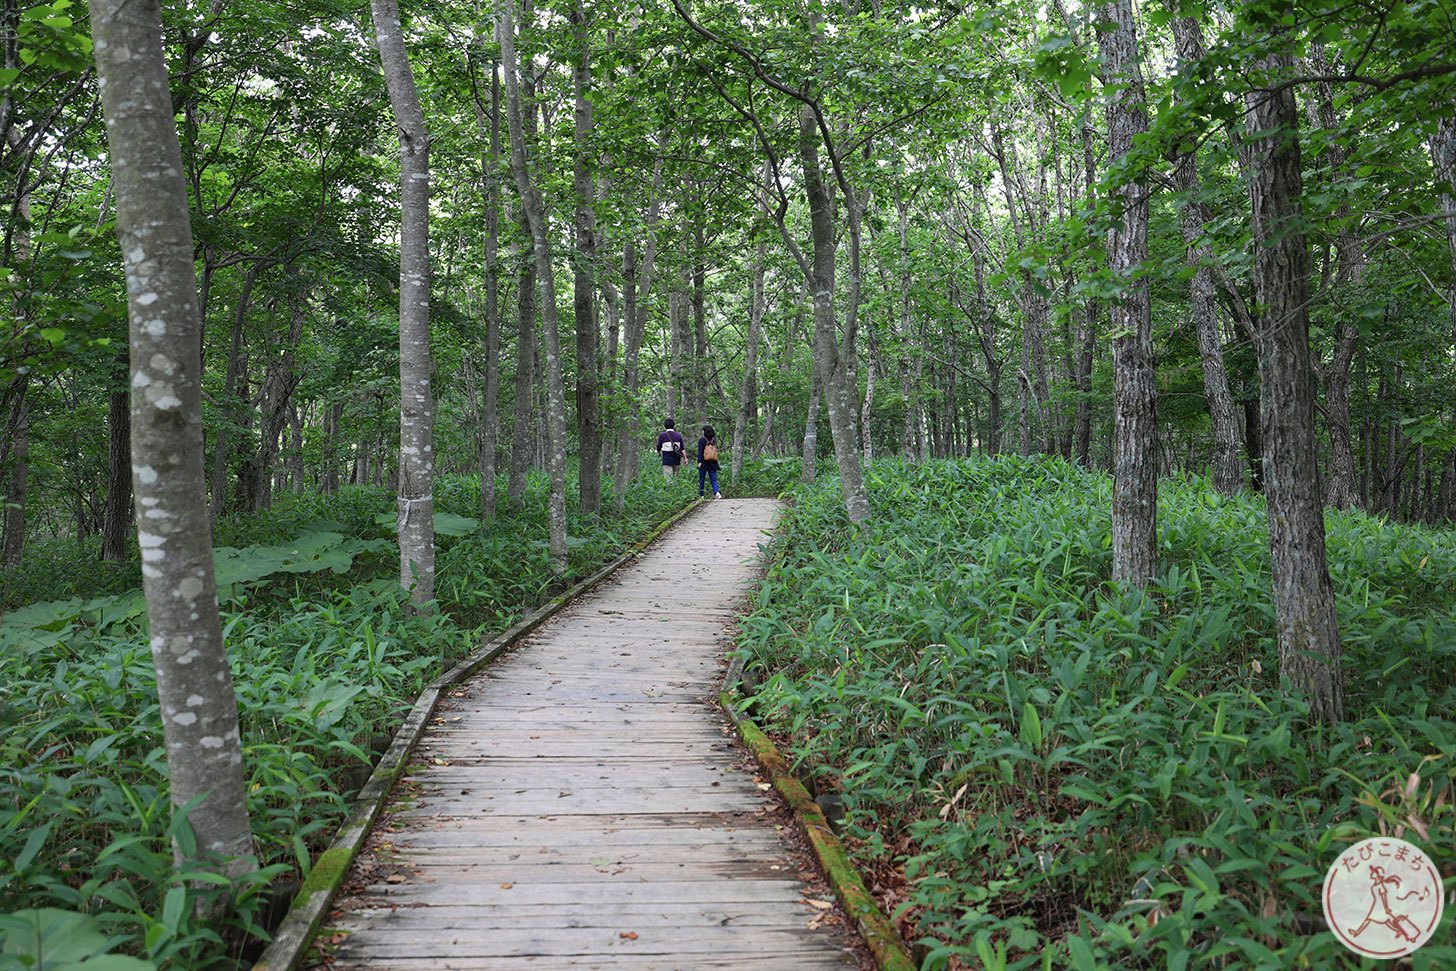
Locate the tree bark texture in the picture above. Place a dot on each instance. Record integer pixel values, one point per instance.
(748, 394)
(588, 384)
(17, 471)
(1304, 598)
(523, 434)
(416, 500)
(833, 354)
(194, 682)
(490, 394)
(638, 284)
(1135, 390)
(1228, 475)
(222, 446)
(535, 212)
(1340, 490)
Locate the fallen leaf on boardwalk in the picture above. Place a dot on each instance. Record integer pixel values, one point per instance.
(628, 935)
(764, 785)
(820, 904)
(507, 886)
(440, 761)
(395, 878)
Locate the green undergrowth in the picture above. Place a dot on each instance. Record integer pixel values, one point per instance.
(327, 658)
(1050, 771)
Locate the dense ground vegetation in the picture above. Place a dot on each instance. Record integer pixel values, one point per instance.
(326, 658)
(1037, 762)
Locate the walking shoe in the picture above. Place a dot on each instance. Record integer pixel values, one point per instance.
(717, 495)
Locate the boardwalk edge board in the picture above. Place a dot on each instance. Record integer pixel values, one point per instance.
(878, 933)
(306, 916)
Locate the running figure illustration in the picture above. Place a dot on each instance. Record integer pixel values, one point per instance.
(1381, 888)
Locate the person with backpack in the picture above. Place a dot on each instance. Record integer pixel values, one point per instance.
(708, 461)
(670, 446)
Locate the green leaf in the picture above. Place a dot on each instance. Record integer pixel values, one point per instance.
(60, 940)
(1031, 726)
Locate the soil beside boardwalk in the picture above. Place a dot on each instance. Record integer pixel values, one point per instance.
(583, 803)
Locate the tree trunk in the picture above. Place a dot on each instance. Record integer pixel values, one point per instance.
(222, 447)
(1340, 491)
(416, 504)
(1087, 330)
(680, 338)
(1304, 598)
(747, 395)
(255, 486)
(523, 437)
(297, 418)
(117, 524)
(194, 683)
(535, 211)
(639, 292)
(17, 472)
(588, 385)
(698, 382)
(490, 400)
(833, 354)
(1227, 474)
(909, 389)
(809, 470)
(1135, 390)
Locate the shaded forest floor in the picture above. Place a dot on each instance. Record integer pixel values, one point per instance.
(326, 660)
(1035, 761)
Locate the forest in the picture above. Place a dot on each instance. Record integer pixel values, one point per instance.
(1104, 355)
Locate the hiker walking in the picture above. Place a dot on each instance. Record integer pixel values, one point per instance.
(708, 461)
(670, 446)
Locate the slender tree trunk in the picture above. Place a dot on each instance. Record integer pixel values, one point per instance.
(588, 385)
(866, 429)
(1086, 336)
(909, 390)
(17, 250)
(17, 472)
(1443, 157)
(535, 210)
(833, 354)
(698, 383)
(416, 516)
(194, 683)
(680, 339)
(490, 394)
(1304, 598)
(222, 447)
(523, 435)
(333, 440)
(255, 485)
(747, 396)
(118, 468)
(1227, 473)
(810, 455)
(1135, 390)
(1350, 256)
(985, 322)
(297, 418)
(639, 293)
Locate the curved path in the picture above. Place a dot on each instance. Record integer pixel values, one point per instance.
(583, 802)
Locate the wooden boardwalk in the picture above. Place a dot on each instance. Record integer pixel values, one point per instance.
(583, 803)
